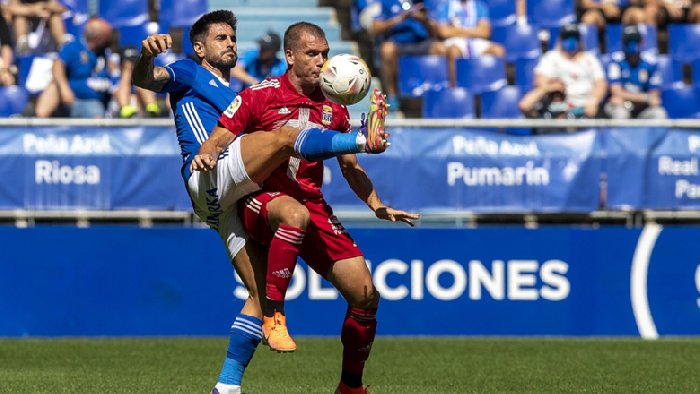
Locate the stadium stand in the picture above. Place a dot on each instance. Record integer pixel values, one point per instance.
(501, 104)
(418, 74)
(520, 41)
(483, 74)
(454, 103)
(550, 13)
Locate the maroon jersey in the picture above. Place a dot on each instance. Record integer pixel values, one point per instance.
(273, 103)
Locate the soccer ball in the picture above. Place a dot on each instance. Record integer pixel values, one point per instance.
(345, 79)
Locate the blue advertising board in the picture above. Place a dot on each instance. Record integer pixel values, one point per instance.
(487, 281)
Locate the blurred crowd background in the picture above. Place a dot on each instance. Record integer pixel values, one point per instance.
(497, 59)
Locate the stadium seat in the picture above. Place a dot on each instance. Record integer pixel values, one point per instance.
(13, 99)
(695, 76)
(681, 102)
(450, 103)
(525, 73)
(501, 104)
(418, 74)
(670, 70)
(519, 41)
(550, 13)
(589, 35)
(131, 36)
(180, 12)
(613, 38)
(482, 74)
(501, 12)
(124, 12)
(684, 42)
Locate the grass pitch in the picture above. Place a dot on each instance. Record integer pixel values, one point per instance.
(417, 365)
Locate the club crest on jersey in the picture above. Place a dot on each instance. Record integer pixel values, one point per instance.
(233, 107)
(327, 115)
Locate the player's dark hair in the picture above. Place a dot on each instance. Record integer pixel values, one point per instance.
(295, 31)
(200, 28)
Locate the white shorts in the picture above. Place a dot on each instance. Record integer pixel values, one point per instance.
(214, 195)
(470, 47)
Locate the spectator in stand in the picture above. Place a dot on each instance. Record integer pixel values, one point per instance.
(6, 56)
(125, 93)
(80, 76)
(259, 64)
(634, 81)
(675, 11)
(548, 102)
(466, 29)
(600, 12)
(406, 29)
(31, 18)
(580, 73)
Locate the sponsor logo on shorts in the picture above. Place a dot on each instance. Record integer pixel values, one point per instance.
(336, 226)
(283, 273)
(233, 107)
(213, 208)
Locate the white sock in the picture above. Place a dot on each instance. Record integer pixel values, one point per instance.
(228, 388)
(361, 141)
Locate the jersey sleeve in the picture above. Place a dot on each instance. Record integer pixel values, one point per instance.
(239, 113)
(69, 52)
(182, 75)
(343, 117)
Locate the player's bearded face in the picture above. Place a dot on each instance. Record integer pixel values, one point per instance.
(308, 58)
(220, 47)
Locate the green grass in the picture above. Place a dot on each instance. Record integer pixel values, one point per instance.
(417, 365)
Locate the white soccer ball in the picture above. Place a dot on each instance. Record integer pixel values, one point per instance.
(345, 79)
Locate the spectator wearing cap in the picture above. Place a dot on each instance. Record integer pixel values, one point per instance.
(466, 28)
(579, 71)
(634, 81)
(403, 28)
(262, 63)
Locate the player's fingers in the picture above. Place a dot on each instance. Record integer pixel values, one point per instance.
(161, 44)
(168, 40)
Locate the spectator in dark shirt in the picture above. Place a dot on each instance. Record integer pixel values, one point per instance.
(6, 56)
(259, 64)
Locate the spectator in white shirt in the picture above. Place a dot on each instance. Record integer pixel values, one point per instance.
(580, 72)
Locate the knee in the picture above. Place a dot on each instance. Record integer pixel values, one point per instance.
(296, 215)
(388, 50)
(369, 299)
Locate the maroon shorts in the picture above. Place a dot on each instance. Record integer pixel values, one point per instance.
(326, 240)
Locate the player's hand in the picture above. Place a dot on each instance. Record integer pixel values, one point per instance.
(203, 162)
(395, 215)
(156, 44)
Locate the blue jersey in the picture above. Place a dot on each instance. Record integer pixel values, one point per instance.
(410, 30)
(197, 97)
(86, 71)
(459, 13)
(640, 79)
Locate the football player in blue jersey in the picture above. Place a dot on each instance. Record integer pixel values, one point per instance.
(199, 94)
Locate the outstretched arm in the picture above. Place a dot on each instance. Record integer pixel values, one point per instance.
(359, 182)
(208, 154)
(146, 75)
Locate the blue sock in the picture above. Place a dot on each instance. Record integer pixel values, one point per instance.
(315, 144)
(246, 333)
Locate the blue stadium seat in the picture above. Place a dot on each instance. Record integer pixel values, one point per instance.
(131, 36)
(501, 12)
(684, 42)
(525, 73)
(124, 12)
(501, 104)
(550, 13)
(520, 41)
(696, 72)
(13, 99)
(482, 74)
(681, 102)
(450, 103)
(418, 74)
(613, 38)
(589, 35)
(180, 12)
(671, 72)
